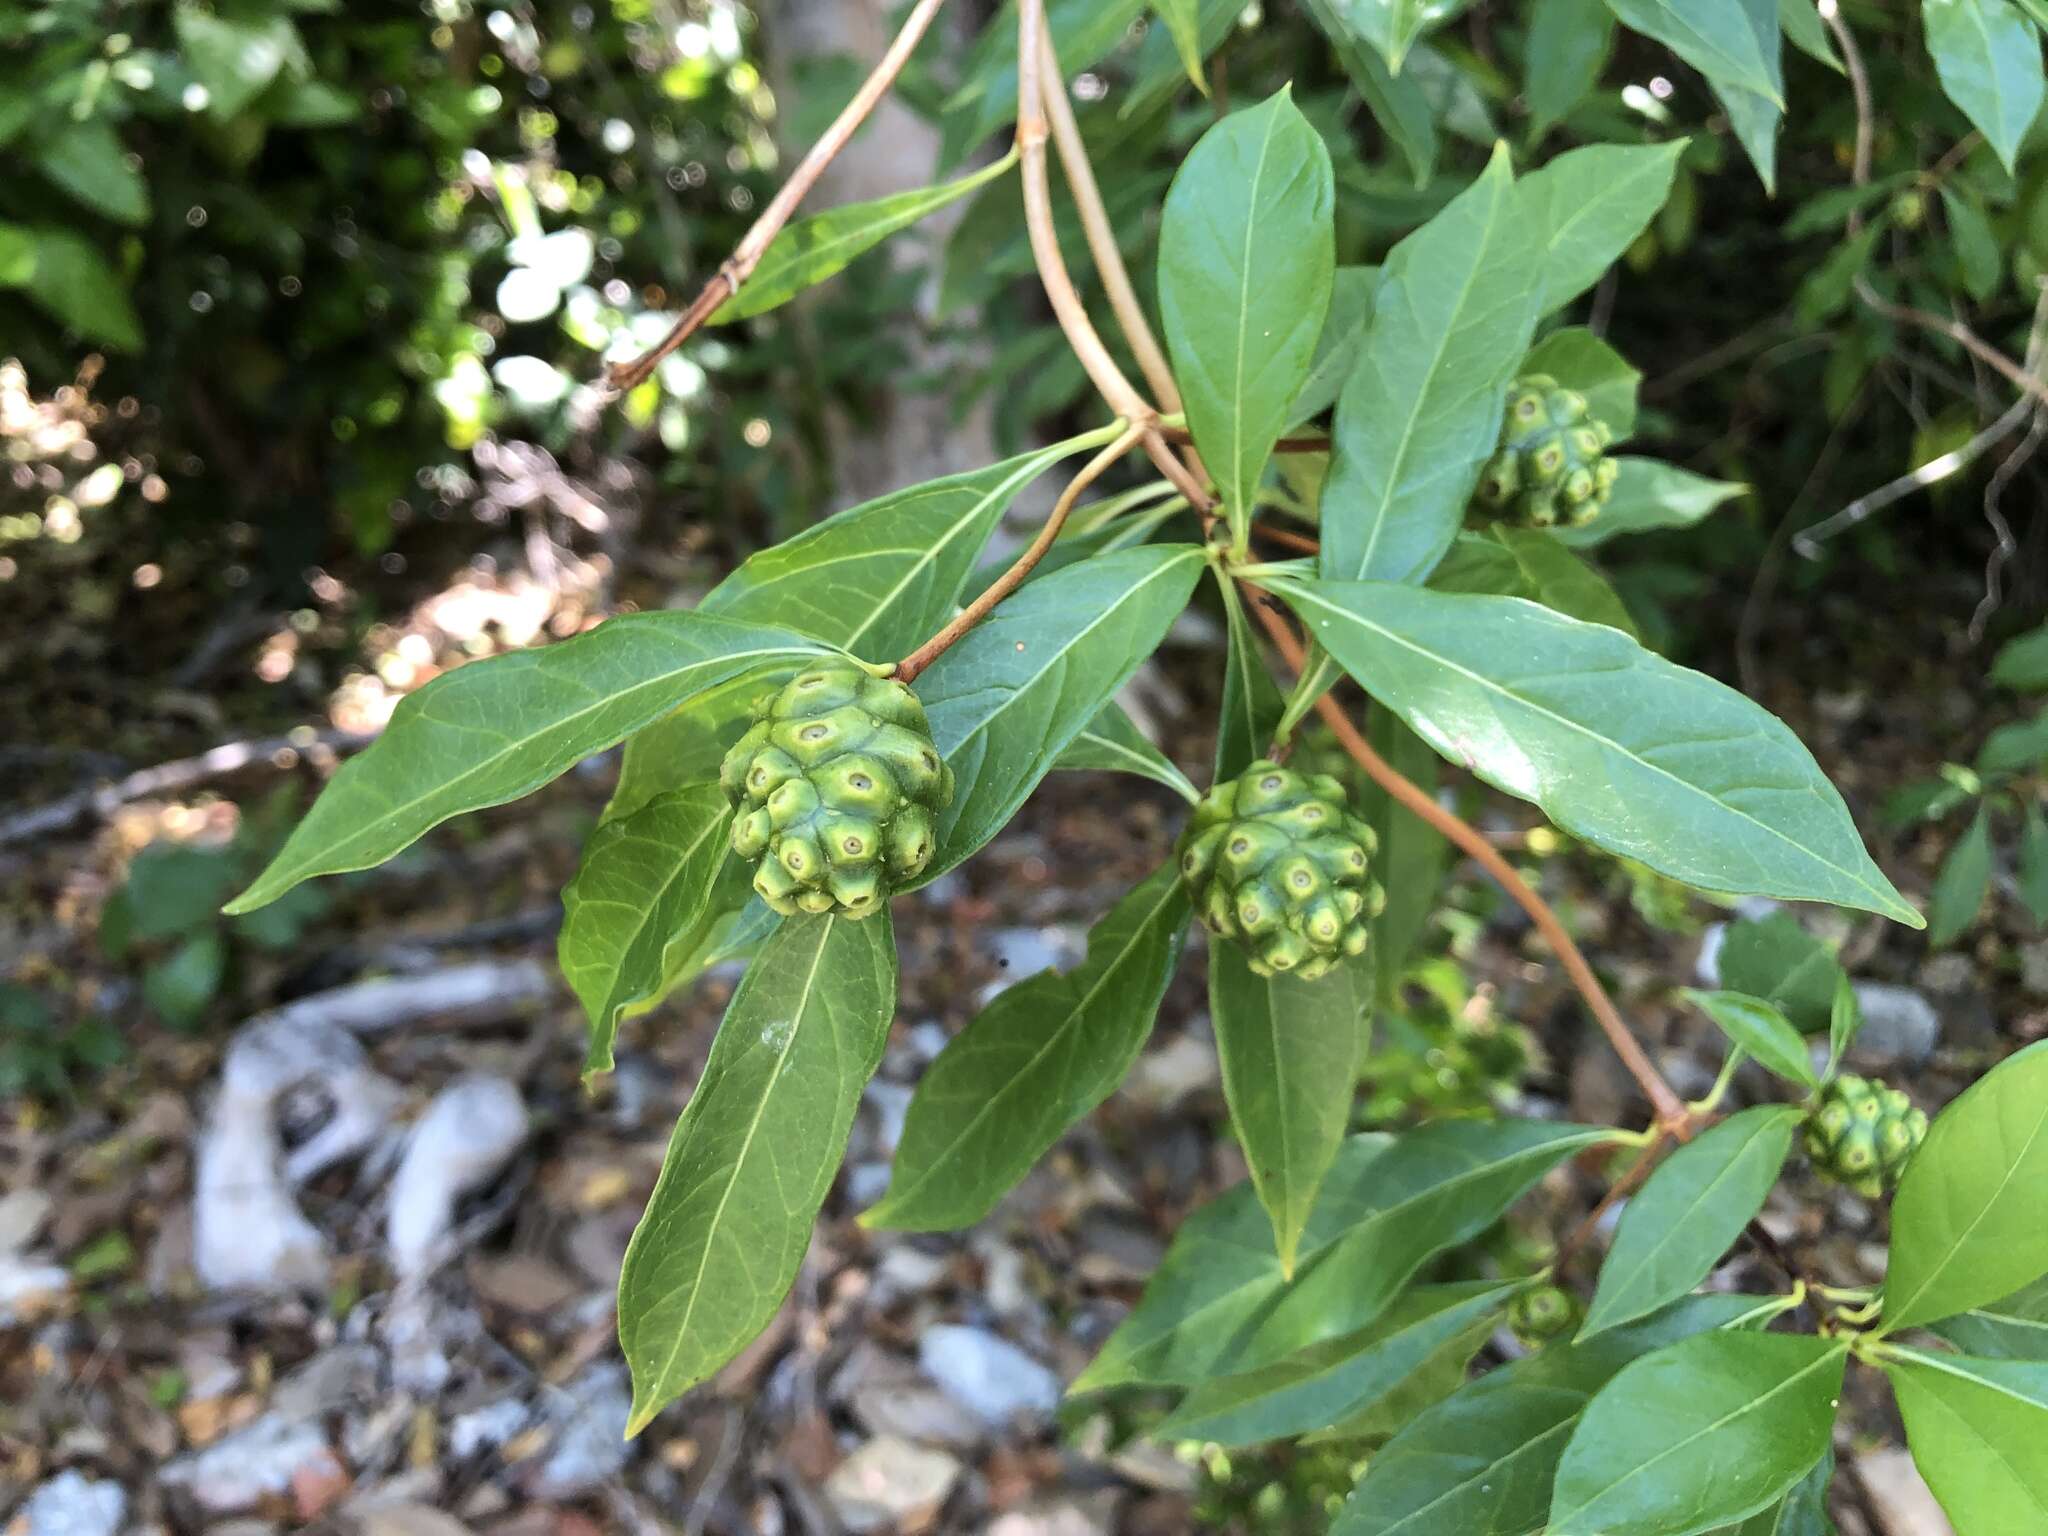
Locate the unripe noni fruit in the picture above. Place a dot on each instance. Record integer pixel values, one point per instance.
(1551, 466)
(1862, 1134)
(836, 790)
(1276, 861)
(1542, 1313)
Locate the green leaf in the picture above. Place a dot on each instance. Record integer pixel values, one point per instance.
(1845, 1022)
(73, 282)
(1289, 1051)
(1182, 20)
(1966, 1224)
(1008, 698)
(1421, 413)
(1481, 1463)
(2033, 864)
(494, 730)
(1704, 1432)
(1162, 63)
(646, 884)
(1528, 562)
(2015, 748)
(1962, 884)
(1034, 1061)
(1220, 1303)
(1593, 203)
(1398, 103)
(1252, 705)
(1759, 1029)
(879, 578)
(1978, 1430)
(17, 255)
(1580, 360)
(1777, 960)
(1339, 1379)
(754, 1153)
(687, 745)
(1690, 1213)
(1619, 747)
(1111, 743)
(2022, 662)
(1716, 37)
(1412, 854)
(1343, 338)
(1392, 26)
(812, 250)
(1800, 21)
(1756, 121)
(1247, 249)
(1976, 247)
(1802, 1512)
(1988, 58)
(1650, 494)
(87, 161)
(2014, 1327)
(1569, 44)
(179, 986)
(1083, 32)
(234, 60)
(1827, 289)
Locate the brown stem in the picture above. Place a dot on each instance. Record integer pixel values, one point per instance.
(1308, 443)
(1286, 538)
(1622, 1188)
(739, 266)
(908, 668)
(1670, 1110)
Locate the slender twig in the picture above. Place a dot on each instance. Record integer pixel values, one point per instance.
(1311, 442)
(747, 255)
(1670, 1110)
(908, 668)
(1620, 1190)
(1286, 538)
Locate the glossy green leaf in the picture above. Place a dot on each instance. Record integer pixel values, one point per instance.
(881, 577)
(1162, 63)
(1040, 1056)
(75, 283)
(1988, 58)
(1978, 1430)
(1716, 37)
(235, 60)
(1247, 250)
(1756, 121)
(2016, 748)
(1593, 203)
(686, 745)
(754, 1153)
(1690, 1213)
(1412, 854)
(1183, 22)
(1801, 23)
(1761, 1030)
(1343, 338)
(1777, 960)
(1289, 1051)
(1619, 747)
(1252, 705)
(1580, 360)
(1649, 494)
(812, 250)
(2032, 869)
(646, 884)
(1802, 1512)
(1339, 1379)
(1112, 743)
(1569, 45)
(1220, 1303)
(1962, 884)
(87, 161)
(1966, 1224)
(1704, 1432)
(1506, 561)
(1392, 26)
(2014, 1327)
(1845, 1021)
(494, 730)
(1398, 103)
(1978, 256)
(1482, 1462)
(1421, 413)
(2022, 662)
(1083, 31)
(1005, 702)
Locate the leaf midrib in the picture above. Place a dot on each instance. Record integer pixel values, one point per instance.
(2004, 1182)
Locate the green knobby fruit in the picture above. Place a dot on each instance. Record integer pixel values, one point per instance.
(1276, 861)
(1542, 1313)
(1862, 1134)
(836, 791)
(1552, 465)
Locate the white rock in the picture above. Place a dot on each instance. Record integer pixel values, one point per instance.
(71, 1504)
(26, 1284)
(248, 1233)
(888, 1482)
(1092, 1516)
(1899, 1024)
(986, 1373)
(467, 1134)
(1899, 1497)
(590, 1446)
(237, 1472)
(22, 1214)
(1183, 1066)
(487, 1428)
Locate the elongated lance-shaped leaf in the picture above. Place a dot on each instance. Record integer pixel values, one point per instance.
(879, 578)
(1418, 417)
(1398, 103)
(1031, 1063)
(1617, 745)
(1007, 699)
(1112, 743)
(1761, 1030)
(1580, 360)
(1183, 20)
(1978, 1430)
(1703, 1433)
(1289, 1053)
(755, 1152)
(1690, 1213)
(647, 882)
(686, 746)
(1569, 44)
(1343, 338)
(1650, 494)
(498, 729)
(2014, 1327)
(1527, 562)
(1252, 705)
(811, 250)
(1481, 1462)
(1334, 1381)
(1410, 862)
(1591, 204)
(1247, 249)
(1988, 57)
(1716, 37)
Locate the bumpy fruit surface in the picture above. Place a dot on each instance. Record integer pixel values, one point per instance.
(1552, 465)
(836, 790)
(1862, 1134)
(1276, 861)
(1542, 1313)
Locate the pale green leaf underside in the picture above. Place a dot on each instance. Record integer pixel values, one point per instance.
(1988, 58)
(1112, 743)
